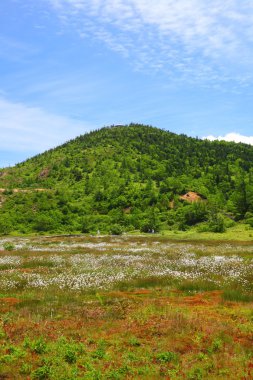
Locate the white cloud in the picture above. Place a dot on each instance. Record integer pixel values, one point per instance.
(201, 39)
(30, 129)
(236, 137)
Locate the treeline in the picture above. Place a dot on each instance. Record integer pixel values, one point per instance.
(129, 177)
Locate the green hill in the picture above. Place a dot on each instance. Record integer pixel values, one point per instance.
(128, 177)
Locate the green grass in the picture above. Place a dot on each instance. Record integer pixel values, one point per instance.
(237, 295)
(197, 286)
(239, 232)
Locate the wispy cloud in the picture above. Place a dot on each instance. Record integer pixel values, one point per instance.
(15, 50)
(198, 39)
(236, 137)
(33, 130)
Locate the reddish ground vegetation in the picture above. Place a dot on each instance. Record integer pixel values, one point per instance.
(166, 332)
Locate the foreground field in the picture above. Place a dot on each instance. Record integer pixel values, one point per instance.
(125, 308)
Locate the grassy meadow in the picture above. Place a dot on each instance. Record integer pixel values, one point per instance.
(126, 307)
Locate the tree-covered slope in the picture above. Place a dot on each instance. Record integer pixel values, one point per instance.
(130, 176)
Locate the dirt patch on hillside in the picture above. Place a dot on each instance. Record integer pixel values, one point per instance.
(44, 173)
(192, 196)
(22, 190)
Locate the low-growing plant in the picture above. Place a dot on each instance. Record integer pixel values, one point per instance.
(196, 373)
(41, 373)
(100, 352)
(38, 346)
(70, 356)
(7, 317)
(216, 346)
(201, 356)
(2, 333)
(8, 246)
(25, 369)
(167, 357)
(133, 341)
(16, 352)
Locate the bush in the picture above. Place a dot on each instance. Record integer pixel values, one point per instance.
(38, 346)
(149, 227)
(44, 223)
(195, 213)
(229, 223)
(250, 222)
(70, 355)
(167, 357)
(5, 227)
(216, 224)
(116, 229)
(42, 373)
(196, 374)
(8, 246)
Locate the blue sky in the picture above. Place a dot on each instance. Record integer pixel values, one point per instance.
(71, 66)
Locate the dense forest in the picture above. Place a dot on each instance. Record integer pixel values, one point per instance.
(123, 178)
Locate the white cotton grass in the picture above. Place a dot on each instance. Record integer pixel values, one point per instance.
(102, 263)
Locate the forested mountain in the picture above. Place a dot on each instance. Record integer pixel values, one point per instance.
(128, 177)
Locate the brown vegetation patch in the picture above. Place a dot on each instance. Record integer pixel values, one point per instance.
(202, 299)
(44, 173)
(26, 270)
(10, 300)
(140, 292)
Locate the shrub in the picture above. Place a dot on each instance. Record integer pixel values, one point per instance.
(42, 373)
(216, 224)
(8, 246)
(149, 227)
(216, 345)
(133, 341)
(195, 213)
(25, 369)
(5, 227)
(166, 357)
(99, 353)
(38, 346)
(70, 355)
(196, 374)
(116, 229)
(44, 223)
(250, 221)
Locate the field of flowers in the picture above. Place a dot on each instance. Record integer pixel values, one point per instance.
(128, 307)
